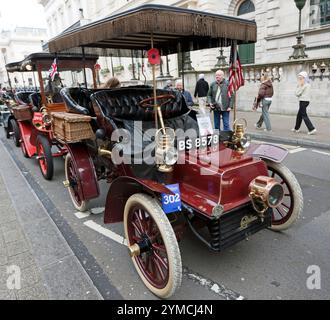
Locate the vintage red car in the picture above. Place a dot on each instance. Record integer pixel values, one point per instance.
(162, 178)
(30, 123)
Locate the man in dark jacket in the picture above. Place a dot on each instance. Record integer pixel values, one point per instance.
(219, 101)
(187, 96)
(201, 90)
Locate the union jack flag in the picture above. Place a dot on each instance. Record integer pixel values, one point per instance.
(53, 69)
(236, 78)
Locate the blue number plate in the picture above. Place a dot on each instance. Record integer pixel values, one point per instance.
(172, 202)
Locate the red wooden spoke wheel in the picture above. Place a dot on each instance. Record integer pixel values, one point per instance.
(74, 184)
(159, 261)
(45, 157)
(292, 204)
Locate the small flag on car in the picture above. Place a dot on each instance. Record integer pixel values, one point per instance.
(53, 69)
(236, 79)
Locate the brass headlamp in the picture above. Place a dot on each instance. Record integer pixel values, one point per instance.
(46, 118)
(240, 141)
(265, 192)
(165, 154)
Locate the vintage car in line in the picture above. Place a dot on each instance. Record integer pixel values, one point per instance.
(221, 186)
(30, 122)
(6, 101)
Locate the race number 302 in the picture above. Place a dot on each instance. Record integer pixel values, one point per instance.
(172, 202)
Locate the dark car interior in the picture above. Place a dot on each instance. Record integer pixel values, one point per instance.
(22, 97)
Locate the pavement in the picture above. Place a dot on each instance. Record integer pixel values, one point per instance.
(36, 263)
(281, 130)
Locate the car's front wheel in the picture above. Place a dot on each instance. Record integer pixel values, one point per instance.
(292, 204)
(45, 157)
(71, 175)
(158, 258)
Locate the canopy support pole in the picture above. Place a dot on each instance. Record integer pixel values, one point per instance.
(41, 84)
(23, 80)
(34, 80)
(234, 65)
(154, 84)
(133, 66)
(84, 62)
(111, 61)
(182, 67)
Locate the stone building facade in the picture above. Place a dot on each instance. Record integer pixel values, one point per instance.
(277, 22)
(15, 45)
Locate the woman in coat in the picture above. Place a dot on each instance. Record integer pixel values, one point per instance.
(303, 93)
(264, 97)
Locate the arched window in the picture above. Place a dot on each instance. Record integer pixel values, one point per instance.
(246, 51)
(246, 7)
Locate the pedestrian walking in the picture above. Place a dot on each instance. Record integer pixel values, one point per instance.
(111, 83)
(264, 98)
(303, 93)
(169, 85)
(185, 93)
(201, 90)
(219, 101)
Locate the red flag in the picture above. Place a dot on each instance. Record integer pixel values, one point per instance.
(236, 78)
(53, 69)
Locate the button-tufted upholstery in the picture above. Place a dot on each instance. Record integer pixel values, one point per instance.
(78, 100)
(23, 97)
(123, 104)
(35, 100)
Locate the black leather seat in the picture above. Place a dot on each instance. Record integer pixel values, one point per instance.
(123, 104)
(78, 100)
(23, 97)
(35, 101)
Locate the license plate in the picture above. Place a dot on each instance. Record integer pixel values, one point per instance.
(202, 142)
(172, 202)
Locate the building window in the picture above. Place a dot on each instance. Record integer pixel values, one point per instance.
(320, 12)
(246, 7)
(246, 51)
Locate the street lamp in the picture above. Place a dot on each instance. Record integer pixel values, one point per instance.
(299, 48)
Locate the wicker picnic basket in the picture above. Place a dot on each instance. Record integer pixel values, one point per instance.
(70, 127)
(22, 113)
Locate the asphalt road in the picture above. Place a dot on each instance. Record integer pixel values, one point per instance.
(269, 265)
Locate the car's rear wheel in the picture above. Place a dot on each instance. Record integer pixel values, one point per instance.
(7, 130)
(292, 204)
(15, 132)
(74, 185)
(159, 261)
(45, 157)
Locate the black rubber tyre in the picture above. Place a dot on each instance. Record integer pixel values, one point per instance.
(15, 130)
(71, 175)
(165, 253)
(46, 163)
(7, 130)
(292, 205)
